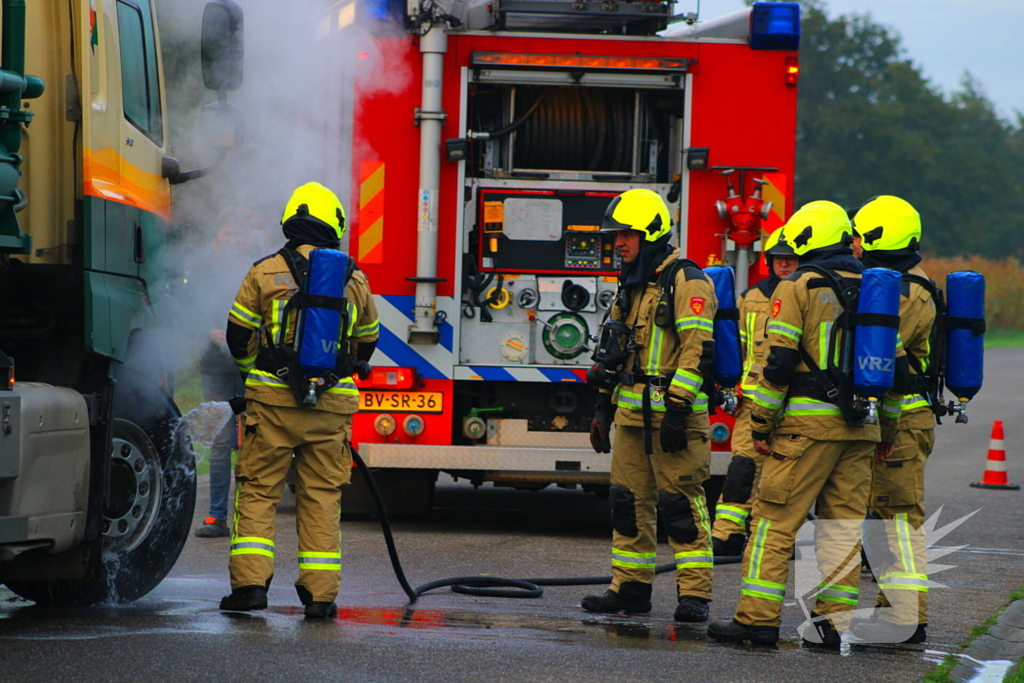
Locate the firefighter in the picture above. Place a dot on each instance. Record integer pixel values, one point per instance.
(276, 425)
(892, 239)
(815, 455)
(729, 533)
(665, 309)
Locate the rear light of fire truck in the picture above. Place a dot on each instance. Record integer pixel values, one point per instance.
(792, 70)
(388, 378)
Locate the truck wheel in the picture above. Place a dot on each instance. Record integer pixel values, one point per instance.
(148, 510)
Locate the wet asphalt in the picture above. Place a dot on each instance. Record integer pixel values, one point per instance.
(177, 634)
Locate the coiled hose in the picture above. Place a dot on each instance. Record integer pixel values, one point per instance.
(486, 586)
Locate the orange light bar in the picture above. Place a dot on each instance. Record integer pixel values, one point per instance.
(579, 61)
(792, 71)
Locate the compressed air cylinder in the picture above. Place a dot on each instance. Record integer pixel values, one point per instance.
(878, 324)
(965, 333)
(728, 368)
(321, 327)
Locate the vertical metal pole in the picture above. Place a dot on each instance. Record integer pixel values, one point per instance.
(742, 269)
(433, 46)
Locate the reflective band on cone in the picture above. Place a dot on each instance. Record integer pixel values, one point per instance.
(995, 467)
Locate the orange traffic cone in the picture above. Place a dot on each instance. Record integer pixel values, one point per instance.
(995, 467)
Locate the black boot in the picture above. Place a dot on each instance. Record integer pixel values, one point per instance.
(245, 599)
(830, 637)
(692, 609)
(735, 632)
(321, 610)
(875, 630)
(730, 547)
(634, 597)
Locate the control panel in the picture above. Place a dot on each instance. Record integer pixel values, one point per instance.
(544, 231)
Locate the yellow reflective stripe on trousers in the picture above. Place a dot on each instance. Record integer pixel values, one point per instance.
(654, 351)
(703, 518)
(252, 545)
(801, 405)
(765, 590)
(319, 560)
(737, 514)
(631, 560)
(903, 537)
(757, 552)
(833, 592)
(752, 584)
(905, 581)
(245, 316)
(695, 559)
(786, 330)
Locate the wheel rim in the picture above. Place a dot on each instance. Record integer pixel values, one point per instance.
(136, 491)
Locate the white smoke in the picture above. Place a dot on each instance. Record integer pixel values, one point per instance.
(302, 61)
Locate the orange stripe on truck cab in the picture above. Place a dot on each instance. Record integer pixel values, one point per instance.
(108, 175)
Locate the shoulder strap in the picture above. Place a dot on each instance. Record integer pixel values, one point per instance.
(935, 373)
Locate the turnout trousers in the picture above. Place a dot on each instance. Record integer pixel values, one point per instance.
(800, 472)
(897, 494)
(644, 486)
(733, 510)
(319, 441)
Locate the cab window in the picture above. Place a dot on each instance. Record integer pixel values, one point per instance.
(140, 81)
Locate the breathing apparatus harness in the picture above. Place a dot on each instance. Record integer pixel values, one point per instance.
(282, 359)
(617, 341)
(834, 382)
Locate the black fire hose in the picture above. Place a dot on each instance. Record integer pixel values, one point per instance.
(485, 586)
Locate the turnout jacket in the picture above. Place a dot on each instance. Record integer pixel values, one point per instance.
(803, 310)
(259, 308)
(754, 308)
(917, 316)
(675, 353)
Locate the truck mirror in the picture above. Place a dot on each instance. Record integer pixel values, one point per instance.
(222, 45)
(170, 168)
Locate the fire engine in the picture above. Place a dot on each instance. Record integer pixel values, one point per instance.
(478, 191)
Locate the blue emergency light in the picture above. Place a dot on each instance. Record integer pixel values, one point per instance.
(775, 26)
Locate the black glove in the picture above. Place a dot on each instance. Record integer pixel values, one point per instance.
(601, 424)
(673, 427)
(237, 404)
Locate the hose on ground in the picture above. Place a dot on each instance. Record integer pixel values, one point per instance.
(484, 586)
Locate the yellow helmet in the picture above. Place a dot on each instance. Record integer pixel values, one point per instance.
(642, 210)
(818, 225)
(313, 201)
(889, 223)
(776, 245)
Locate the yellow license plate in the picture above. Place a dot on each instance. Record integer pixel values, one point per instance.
(402, 401)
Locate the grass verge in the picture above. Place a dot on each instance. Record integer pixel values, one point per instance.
(1004, 339)
(940, 674)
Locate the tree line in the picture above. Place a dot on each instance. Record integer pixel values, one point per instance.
(870, 123)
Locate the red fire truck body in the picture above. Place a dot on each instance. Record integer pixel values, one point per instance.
(481, 365)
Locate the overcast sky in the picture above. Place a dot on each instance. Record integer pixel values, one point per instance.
(943, 37)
